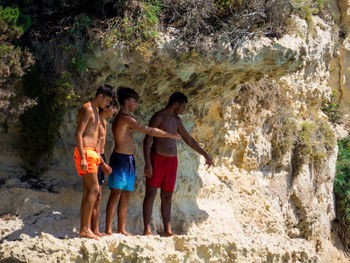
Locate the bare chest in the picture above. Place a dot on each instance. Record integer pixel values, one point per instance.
(101, 131)
(169, 124)
(93, 125)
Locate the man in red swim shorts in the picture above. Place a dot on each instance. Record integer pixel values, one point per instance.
(161, 160)
(87, 157)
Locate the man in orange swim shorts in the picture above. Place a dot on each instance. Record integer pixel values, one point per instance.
(87, 157)
(92, 159)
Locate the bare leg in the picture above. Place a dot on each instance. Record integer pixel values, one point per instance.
(147, 209)
(110, 210)
(83, 200)
(90, 192)
(122, 212)
(166, 197)
(96, 214)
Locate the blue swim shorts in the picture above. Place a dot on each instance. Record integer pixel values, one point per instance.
(123, 174)
(100, 174)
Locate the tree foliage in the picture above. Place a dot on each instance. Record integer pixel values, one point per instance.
(342, 190)
(14, 62)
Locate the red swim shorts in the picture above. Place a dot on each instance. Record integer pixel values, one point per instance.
(92, 158)
(164, 172)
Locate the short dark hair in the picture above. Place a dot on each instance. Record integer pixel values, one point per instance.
(177, 97)
(113, 103)
(124, 93)
(105, 90)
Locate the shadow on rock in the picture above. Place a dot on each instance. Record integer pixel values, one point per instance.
(34, 212)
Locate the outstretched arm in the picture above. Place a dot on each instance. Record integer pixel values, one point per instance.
(83, 120)
(137, 126)
(193, 144)
(154, 122)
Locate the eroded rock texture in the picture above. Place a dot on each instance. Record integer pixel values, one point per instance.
(261, 203)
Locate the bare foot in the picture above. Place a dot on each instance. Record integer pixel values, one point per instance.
(98, 233)
(88, 234)
(169, 234)
(148, 233)
(108, 233)
(125, 233)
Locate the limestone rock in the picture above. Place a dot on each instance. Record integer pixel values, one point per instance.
(248, 208)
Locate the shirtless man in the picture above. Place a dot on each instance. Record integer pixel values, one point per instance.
(104, 114)
(161, 160)
(86, 156)
(121, 181)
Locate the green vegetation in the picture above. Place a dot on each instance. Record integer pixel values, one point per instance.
(342, 184)
(40, 124)
(79, 31)
(54, 92)
(13, 22)
(41, 101)
(332, 109)
(139, 34)
(312, 140)
(190, 57)
(307, 8)
(284, 135)
(223, 4)
(75, 44)
(316, 140)
(14, 62)
(78, 61)
(153, 8)
(309, 141)
(81, 23)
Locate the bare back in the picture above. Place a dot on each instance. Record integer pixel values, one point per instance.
(123, 134)
(88, 120)
(169, 123)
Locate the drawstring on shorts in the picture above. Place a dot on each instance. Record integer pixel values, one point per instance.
(131, 159)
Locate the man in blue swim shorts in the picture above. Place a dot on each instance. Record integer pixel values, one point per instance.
(121, 181)
(123, 166)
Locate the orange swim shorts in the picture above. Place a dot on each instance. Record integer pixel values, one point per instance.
(92, 158)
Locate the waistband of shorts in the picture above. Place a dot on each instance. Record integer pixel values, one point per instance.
(88, 148)
(163, 156)
(123, 154)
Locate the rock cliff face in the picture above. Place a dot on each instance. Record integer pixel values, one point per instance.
(344, 58)
(263, 202)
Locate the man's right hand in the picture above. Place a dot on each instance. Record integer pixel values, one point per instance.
(106, 169)
(209, 161)
(148, 170)
(83, 165)
(176, 136)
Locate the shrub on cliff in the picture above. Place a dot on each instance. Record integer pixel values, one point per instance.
(136, 23)
(233, 19)
(331, 108)
(136, 29)
(342, 190)
(309, 141)
(39, 140)
(14, 62)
